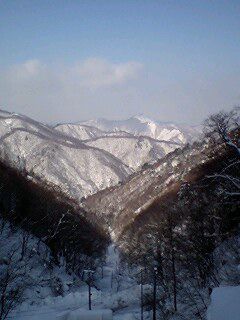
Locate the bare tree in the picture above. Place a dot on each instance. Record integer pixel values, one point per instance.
(13, 281)
(223, 129)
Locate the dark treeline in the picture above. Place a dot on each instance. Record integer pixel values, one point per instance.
(181, 232)
(52, 217)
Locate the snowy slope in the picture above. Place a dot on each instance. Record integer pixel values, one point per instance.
(133, 147)
(139, 125)
(82, 132)
(54, 157)
(133, 151)
(49, 292)
(87, 157)
(225, 303)
(32, 271)
(121, 204)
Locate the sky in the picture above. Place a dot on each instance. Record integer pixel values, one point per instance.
(79, 59)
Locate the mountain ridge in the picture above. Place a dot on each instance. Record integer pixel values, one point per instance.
(80, 158)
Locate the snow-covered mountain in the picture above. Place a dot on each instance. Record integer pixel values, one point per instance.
(131, 149)
(49, 155)
(140, 125)
(87, 157)
(134, 141)
(120, 205)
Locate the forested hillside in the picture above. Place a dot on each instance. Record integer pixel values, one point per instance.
(47, 213)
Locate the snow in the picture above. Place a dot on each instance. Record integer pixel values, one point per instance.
(133, 151)
(34, 271)
(88, 315)
(84, 158)
(225, 304)
(115, 294)
(51, 156)
(143, 126)
(81, 132)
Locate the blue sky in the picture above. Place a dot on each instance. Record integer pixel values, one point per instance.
(171, 60)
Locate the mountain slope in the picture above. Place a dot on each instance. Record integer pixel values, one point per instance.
(54, 157)
(133, 151)
(82, 159)
(134, 141)
(121, 205)
(139, 125)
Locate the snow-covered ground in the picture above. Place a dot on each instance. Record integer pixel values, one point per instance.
(111, 291)
(55, 295)
(225, 303)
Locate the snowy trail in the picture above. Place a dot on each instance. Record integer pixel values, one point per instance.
(122, 295)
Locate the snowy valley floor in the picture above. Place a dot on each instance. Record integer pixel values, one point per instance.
(112, 290)
(124, 301)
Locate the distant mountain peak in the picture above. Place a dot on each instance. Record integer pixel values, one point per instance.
(142, 118)
(141, 125)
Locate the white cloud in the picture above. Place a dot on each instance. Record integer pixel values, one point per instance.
(99, 88)
(25, 70)
(100, 73)
(50, 91)
(91, 73)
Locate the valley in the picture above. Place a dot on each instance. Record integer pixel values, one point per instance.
(55, 156)
(118, 198)
(119, 160)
